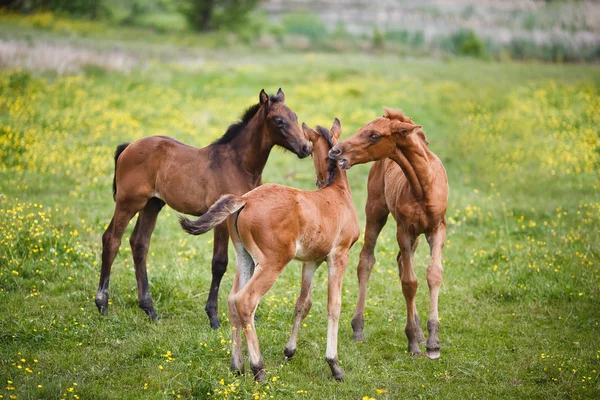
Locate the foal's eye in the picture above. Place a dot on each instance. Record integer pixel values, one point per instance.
(279, 121)
(374, 137)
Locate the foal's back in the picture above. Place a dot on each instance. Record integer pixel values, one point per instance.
(162, 167)
(294, 223)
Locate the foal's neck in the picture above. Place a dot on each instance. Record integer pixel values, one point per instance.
(416, 163)
(339, 182)
(253, 146)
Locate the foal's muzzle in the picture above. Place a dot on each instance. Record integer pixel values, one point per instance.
(336, 154)
(305, 151)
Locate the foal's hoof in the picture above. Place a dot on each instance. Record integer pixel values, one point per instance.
(102, 305)
(259, 375)
(414, 350)
(152, 315)
(213, 317)
(358, 324)
(358, 336)
(214, 320)
(336, 371)
(339, 377)
(215, 324)
(433, 354)
(289, 353)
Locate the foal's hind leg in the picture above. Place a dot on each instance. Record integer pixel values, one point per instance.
(434, 281)
(409, 288)
(337, 268)
(245, 302)
(243, 273)
(140, 242)
(111, 240)
(420, 335)
(303, 305)
(219, 266)
(377, 214)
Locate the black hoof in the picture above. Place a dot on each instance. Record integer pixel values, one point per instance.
(152, 315)
(259, 374)
(339, 377)
(215, 324)
(358, 336)
(358, 324)
(102, 306)
(213, 317)
(336, 371)
(289, 353)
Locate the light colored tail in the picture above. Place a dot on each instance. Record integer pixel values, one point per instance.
(217, 213)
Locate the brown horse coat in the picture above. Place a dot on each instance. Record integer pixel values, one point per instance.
(156, 170)
(273, 224)
(408, 180)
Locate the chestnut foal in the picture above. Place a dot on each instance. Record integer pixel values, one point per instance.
(273, 224)
(156, 170)
(410, 182)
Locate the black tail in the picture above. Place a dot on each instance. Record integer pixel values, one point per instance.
(217, 213)
(120, 149)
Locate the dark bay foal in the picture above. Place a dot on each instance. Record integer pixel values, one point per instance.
(158, 170)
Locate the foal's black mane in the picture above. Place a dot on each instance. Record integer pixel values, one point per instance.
(332, 166)
(238, 127)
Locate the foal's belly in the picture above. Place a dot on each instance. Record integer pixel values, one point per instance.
(311, 249)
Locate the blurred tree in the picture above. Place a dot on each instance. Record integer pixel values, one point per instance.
(88, 8)
(205, 15)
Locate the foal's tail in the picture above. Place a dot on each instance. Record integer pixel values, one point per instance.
(120, 149)
(217, 213)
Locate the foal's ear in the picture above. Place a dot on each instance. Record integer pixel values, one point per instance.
(280, 95)
(263, 97)
(336, 130)
(403, 128)
(311, 134)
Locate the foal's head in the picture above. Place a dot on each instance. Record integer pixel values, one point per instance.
(282, 124)
(322, 141)
(378, 139)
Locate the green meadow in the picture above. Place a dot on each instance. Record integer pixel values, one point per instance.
(520, 302)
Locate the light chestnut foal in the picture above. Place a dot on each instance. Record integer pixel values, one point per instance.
(409, 181)
(273, 224)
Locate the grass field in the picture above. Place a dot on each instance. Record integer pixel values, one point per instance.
(520, 303)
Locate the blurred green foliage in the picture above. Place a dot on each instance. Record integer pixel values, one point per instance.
(206, 15)
(88, 8)
(305, 24)
(241, 22)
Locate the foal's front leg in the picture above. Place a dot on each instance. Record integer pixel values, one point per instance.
(435, 273)
(337, 267)
(303, 305)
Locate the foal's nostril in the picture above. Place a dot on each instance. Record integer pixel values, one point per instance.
(306, 149)
(334, 152)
